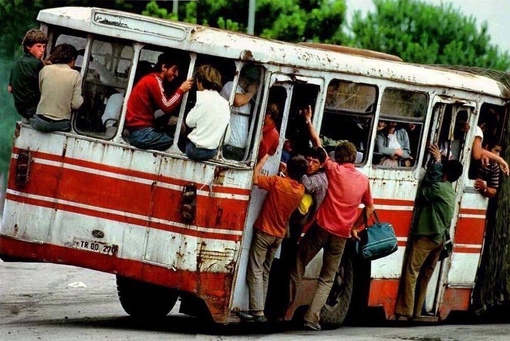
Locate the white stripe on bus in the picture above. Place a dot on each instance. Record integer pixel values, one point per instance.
(135, 179)
(126, 214)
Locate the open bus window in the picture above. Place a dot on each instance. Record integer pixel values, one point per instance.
(104, 88)
(226, 68)
(297, 132)
(78, 42)
(399, 129)
(489, 129)
(348, 115)
(165, 121)
(244, 102)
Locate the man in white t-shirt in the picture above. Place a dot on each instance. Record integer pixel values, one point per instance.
(241, 111)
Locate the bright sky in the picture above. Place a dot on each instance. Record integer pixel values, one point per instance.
(495, 12)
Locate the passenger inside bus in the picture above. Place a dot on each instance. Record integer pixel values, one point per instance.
(270, 134)
(488, 122)
(147, 96)
(209, 118)
(241, 112)
(392, 144)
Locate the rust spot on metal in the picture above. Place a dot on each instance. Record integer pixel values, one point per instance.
(219, 175)
(246, 55)
(219, 214)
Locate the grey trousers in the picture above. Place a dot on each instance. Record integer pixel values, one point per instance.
(47, 125)
(313, 241)
(262, 250)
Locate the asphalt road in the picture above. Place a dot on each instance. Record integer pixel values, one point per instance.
(56, 302)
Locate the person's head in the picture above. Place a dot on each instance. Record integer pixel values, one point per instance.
(208, 77)
(273, 112)
(494, 147)
(34, 42)
(168, 66)
(452, 170)
(315, 156)
(345, 152)
(296, 167)
(250, 74)
(489, 121)
(63, 54)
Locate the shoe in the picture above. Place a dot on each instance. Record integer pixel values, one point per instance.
(311, 326)
(251, 317)
(402, 318)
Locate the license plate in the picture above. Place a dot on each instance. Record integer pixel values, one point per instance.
(95, 246)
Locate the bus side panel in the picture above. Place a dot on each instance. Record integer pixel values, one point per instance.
(117, 210)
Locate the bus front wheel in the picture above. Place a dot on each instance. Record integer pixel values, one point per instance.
(144, 300)
(337, 305)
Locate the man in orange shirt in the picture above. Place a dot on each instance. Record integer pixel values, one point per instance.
(283, 197)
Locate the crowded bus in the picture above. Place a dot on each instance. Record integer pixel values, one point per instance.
(173, 226)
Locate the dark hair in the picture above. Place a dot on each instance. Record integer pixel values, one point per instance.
(209, 77)
(63, 54)
(274, 111)
(33, 37)
(250, 73)
(345, 152)
(296, 167)
(452, 169)
(316, 153)
(169, 59)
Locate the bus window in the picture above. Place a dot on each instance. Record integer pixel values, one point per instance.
(244, 101)
(399, 128)
(164, 122)
(348, 115)
(104, 88)
(78, 42)
(489, 129)
(297, 135)
(227, 69)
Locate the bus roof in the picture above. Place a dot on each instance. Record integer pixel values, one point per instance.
(236, 45)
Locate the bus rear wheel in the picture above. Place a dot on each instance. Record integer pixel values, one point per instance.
(337, 305)
(145, 301)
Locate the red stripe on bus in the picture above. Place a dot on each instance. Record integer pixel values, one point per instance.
(469, 231)
(456, 299)
(393, 202)
(188, 230)
(383, 293)
(213, 287)
(94, 166)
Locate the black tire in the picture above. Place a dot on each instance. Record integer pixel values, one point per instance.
(145, 301)
(337, 305)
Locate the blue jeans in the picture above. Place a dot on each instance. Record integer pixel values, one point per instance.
(199, 154)
(46, 125)
(149, 138)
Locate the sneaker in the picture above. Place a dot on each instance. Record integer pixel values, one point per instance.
(251, 317)
(311, 326)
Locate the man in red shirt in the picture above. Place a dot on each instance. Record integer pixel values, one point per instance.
(147, 96)
(338, 219)
(283, 197)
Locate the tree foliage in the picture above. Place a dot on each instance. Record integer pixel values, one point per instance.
(287, 20)
(422, 33)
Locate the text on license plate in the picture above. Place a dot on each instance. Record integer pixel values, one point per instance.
(95, 246)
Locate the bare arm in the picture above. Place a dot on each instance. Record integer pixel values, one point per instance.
(242, 99)
(360, 221)
(314, 136)
(258, 167)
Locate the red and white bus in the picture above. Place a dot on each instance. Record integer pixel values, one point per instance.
(171, 228)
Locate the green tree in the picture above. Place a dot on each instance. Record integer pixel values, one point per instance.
(422, 33)
(287, 20)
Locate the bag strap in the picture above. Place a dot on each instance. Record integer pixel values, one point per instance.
(374, 216)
